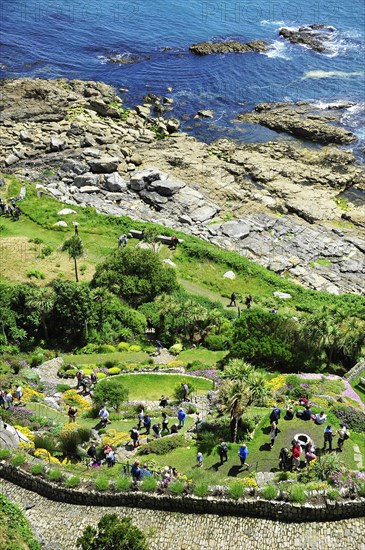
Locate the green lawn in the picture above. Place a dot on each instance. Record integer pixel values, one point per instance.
(203, 355)
(359, 387)
(150, 387)
(121, 356)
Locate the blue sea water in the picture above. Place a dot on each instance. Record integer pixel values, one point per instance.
(73, 39)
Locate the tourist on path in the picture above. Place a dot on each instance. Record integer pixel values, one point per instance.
(248, 301)
(72, 412)
(156, 428)
(147, 423)
(243, 454)
(319, 418)
(343, 434)
(140, 418)
(185, 391)
(327, 437)
(296, 452)
(275, 414)
(223, 451)
(273, 433)
(199, 460)
(233, 300)
(181, 416)
(135, 437)
(104, 416)
(165, 422)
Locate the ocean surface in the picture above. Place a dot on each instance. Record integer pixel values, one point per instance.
(74, 39)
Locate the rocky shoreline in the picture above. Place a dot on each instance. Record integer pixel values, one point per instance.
(277, 203)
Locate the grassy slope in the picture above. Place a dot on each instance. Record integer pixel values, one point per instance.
(199, 275)
(150, 387)
(97, 358)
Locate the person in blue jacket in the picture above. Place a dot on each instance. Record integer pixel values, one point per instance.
(243, 454)
(181, 416)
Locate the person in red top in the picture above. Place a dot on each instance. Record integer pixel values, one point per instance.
(296, 452)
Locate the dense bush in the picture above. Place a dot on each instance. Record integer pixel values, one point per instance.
(73, 481)
(200, 489)
(269, 492)
(122, 483)
(297, 493)
(55, 474)
(15, 531)
(163, 446)
(352, 418)
(101, 483)
(235, 490)
(177, 487)
(216, 342)
(112, 533)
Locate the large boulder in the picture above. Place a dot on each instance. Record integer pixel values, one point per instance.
(56, 143)
(105, 165)
(74, 166)
(140, 179)
(236, 230)
(114, 183)
(166, 187)
(87, 179)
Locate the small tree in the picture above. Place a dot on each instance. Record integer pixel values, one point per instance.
(110, 391)
(113, 533)
(75, 250)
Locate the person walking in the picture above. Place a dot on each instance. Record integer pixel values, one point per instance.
(327, 437)
(165, 422)
(275, 415)
(248, 301)
(72, 412)
(185, 391)
(135, 437)
(159, 347)
(273, 433)
(223, 451)
(156, 428)
(181, 416)
(9, 399)
(199, 460)
(343, 434)
(296, 452)
(147, 423)
(243, 454)
(104, 416)
(140, 418)
(233, 300)
(19, 393)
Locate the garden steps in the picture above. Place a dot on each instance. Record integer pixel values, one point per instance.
(358, 456)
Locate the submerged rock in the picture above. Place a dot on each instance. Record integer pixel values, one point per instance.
(313, 36)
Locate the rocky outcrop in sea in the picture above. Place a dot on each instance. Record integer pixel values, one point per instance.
(280, 204)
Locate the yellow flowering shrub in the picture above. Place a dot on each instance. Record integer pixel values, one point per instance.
(72, 397)
(27, 446)
(31, 395)
(70, 427)
(321, 402)
(114, 438)
(43, 454)
(25, 431)
(277, 382)
(177, 364)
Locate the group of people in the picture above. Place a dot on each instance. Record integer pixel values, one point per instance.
(7, 397)
(158, 428)
(233, 302)
(87, 383)
(108, 456)
(140, 472)
(11, 210)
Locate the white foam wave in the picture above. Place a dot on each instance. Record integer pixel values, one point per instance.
(273, 23)
(278, 49)
(331, 74)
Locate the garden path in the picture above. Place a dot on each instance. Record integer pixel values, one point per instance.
(347, 392)
(47, 371)
(358, 456)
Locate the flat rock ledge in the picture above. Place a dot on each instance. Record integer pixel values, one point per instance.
(302, 120)
(315, 37)
(229, 46)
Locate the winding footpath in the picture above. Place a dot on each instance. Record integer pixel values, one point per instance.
(58, 525)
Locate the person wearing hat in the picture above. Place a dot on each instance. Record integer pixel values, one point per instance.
(199, 460)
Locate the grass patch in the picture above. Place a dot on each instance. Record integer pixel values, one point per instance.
(97, 358)
(203, 355)
(15, 533)
(101, 483)
(73, 481)
(151, 386)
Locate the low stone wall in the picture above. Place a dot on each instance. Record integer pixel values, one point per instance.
(359, 368)
(255, 507)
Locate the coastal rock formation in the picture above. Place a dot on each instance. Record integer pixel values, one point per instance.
(315, 37)
(280, 204)
(228, 46)
(303, 120)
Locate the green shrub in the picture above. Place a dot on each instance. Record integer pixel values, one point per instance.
(176, 487)
(328, 465)
(60, 388)
(110, 363)
(333, 494)
(18, 460)
(269, 492)
(37, 469)
(100, 375)
(73, 481)
(123, 346)
(235, 490)
(176, 349)
(36, 360)
(84, 434)
(101, 483)
(282, 476)
(178, 389)
(200, 489)
(4, 454)
(361, 490)
(122, 483)
(297, 493)
(46, 441)
(216, 342)
(135, 348)
(55, 474)
(149, 484)
(352, 418)
(105, 348)
(114, 370)
(36, 273)
(88, 349)
(293, 380)
(163, 446)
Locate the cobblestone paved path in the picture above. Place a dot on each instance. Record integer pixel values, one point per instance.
(59, 525)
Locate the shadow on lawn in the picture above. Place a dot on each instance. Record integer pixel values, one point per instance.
(265, 447)
(235, 470)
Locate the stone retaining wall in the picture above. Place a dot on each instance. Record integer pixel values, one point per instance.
(359, 368)
(254, 507)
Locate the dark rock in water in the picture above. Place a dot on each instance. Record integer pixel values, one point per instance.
(313, 36)
(229, 46)
(302, 120)
(124, 59)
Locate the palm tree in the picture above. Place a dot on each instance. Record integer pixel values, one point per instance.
(42, 301)
(75, 250)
